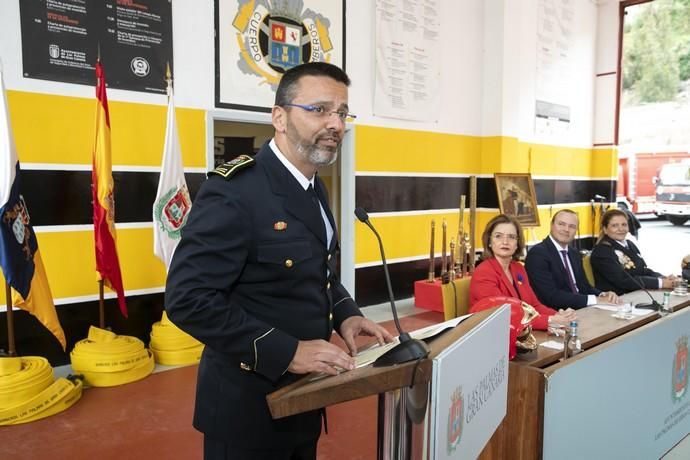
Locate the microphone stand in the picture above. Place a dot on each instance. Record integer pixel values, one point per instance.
(408, 349)
(653, 305)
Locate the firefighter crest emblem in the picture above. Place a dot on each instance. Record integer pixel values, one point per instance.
(274, 37)
(680, 369)
(455, 416)
(171, 211)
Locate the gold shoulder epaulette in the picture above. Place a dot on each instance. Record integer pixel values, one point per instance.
(230, 168)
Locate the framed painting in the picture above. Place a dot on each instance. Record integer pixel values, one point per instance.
(516, 197)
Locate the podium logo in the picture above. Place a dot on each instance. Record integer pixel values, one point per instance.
(275, 36)
(680, 369)
(455, 419)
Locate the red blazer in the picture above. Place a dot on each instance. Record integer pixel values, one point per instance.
(489, 280)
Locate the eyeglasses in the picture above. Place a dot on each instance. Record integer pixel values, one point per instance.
(501, 237)
(321, 112)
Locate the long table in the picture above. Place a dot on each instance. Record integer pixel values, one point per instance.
(624, 396)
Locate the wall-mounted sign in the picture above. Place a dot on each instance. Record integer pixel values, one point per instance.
(61, 40)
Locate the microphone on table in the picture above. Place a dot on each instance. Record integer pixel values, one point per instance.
(654, 305)
(408, 349)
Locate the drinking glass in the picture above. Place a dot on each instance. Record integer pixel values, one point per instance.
(680, 287)
(624, 311)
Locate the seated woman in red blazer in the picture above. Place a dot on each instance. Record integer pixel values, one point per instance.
(500, 273)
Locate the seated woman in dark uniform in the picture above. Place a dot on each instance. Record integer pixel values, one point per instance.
(617, 263)
(500, 273)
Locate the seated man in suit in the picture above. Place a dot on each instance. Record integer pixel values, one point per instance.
(556, 272)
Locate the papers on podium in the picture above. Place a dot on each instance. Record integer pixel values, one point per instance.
(370, 354)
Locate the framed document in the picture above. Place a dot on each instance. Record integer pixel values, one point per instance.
(257, 41)
(516, 197)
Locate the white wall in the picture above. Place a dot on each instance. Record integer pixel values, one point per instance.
(461, 75)
(519, 74)
(606, 61)
(487, 75)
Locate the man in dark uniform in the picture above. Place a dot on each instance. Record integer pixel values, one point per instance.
(254, 277)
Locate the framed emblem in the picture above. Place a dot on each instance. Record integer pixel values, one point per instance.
(257, 41)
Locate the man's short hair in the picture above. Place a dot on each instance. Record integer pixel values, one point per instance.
(568, 211)
(288, 83)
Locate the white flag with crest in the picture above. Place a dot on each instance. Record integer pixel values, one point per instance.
(172, 205)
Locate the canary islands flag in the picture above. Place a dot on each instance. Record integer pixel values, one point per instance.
(19, 255)
(107, 263)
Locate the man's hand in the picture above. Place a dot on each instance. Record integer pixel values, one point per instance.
(358, 325)
(319, 356)
(563, 317)
(667, 281)
(609, 297)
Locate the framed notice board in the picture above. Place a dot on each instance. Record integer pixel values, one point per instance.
(61, 40)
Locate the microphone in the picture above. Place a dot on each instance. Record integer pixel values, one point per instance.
(599, 197)
(654, 305)
(408, 349)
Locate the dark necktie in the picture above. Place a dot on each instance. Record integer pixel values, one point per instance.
(573, 288)
(315, 199)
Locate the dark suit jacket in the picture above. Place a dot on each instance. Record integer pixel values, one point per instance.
(489, 280)
(549, 277)
(608, 270)
(249, 288)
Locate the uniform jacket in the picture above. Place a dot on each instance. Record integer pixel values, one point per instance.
(249, 279)
(608, 258)
(549, 278)
(489, 280)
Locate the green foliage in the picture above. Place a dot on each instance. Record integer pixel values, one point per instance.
(657, 50)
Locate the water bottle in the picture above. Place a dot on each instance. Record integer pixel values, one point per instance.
(666, 305)
(573, 345)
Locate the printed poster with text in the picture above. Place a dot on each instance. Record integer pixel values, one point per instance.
(61, 40)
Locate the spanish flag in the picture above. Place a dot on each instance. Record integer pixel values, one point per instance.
(19, 256)
(107, 264)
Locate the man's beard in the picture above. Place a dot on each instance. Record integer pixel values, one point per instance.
(313, 153)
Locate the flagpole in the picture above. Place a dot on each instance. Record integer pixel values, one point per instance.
(11, 350)
(101, 307)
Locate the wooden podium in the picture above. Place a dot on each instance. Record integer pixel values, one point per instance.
(406, 391)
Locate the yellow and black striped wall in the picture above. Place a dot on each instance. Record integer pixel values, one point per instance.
(54, 137)
(406, 178)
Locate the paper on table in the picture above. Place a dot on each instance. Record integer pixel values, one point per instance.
(552, 344)
(614, 308)
(606, 307)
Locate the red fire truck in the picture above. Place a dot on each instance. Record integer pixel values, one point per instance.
(636, 178)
